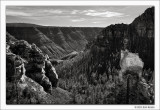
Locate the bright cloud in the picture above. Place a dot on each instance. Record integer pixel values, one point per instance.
(78, 20)
(103, 14)
(88, 11)
(74, 11)
(53, 11)
(17, 13)
(96, 22)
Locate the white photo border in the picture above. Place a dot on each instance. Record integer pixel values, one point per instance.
(76, 3)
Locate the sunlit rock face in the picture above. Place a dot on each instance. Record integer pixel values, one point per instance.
(131, 62)
(51, 73)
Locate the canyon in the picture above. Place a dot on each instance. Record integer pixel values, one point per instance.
(88, 72)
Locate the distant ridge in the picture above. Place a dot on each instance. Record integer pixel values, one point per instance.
(21, 25)
(37, 25)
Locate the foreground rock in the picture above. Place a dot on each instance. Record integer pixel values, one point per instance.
(31, 78)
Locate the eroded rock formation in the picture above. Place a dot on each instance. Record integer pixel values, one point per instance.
(30, 76)
(34, 63)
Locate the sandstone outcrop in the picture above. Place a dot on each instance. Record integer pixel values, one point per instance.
(131, 62)
(30, 76)
(34, 61)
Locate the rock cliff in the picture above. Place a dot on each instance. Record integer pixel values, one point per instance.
(137, 37)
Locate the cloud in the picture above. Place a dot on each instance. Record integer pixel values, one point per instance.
(74, 15)
(78, 20)
(87, 11)
(53, 11)
(101, 13)
(74, 11)
(95, 22)
(17, 13)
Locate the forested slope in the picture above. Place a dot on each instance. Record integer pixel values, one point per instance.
(93, 76)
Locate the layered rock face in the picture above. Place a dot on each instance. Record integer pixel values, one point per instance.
(54, 41)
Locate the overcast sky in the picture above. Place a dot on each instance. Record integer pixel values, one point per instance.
(86, 16)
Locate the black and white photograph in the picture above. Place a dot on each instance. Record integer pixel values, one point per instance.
(80, 55)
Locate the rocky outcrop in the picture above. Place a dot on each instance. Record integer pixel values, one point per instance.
(35, 68)
(35, 64)
(30, 76)
(15, 67)
(51, 72)
(130, 62)
(20, 88)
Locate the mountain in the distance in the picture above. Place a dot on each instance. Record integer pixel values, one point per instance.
(21, 25)
(57, 42)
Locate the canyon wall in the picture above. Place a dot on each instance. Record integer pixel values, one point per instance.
(54, 41)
